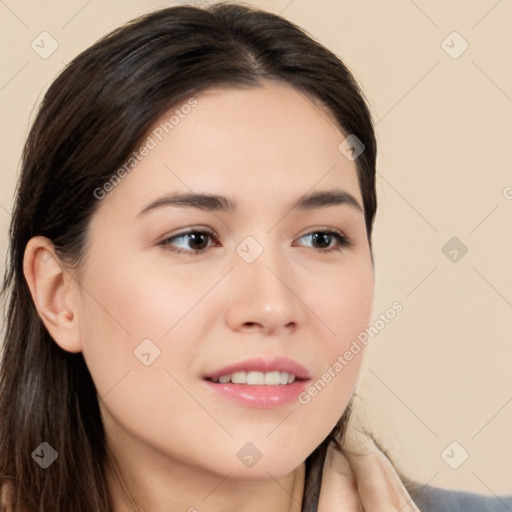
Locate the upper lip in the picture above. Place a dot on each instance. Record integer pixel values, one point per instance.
(259, 364)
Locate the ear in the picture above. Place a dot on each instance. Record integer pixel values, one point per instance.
(54, 292)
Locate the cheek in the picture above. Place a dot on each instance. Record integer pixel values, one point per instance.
(344, 304)
(343, 301)
(138, 301)
(132, 314)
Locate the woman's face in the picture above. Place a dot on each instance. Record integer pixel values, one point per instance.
(263, 285)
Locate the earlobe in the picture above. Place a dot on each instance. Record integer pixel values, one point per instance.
(53, 291)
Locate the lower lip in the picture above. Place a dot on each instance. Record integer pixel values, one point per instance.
(263, 397)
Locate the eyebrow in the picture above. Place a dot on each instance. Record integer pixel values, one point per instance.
(216, 203)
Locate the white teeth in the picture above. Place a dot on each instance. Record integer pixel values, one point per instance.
(258, 378)
(272, 379)
(239, 378)
(255, 378)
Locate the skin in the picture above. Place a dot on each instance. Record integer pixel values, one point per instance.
(361, 479)
(175, 441)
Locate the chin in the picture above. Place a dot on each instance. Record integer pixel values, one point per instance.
(261, 471)
(277, 464)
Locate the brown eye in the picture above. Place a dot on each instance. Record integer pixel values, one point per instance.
(323, 240)
(192, 242)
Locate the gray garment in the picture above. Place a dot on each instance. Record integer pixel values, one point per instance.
(434, 499)
(426, 498)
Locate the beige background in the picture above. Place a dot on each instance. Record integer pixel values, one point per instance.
(440, 371)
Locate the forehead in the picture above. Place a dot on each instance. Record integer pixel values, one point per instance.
(270, 140)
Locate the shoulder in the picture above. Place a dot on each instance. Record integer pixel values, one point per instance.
(435, 499)
(6, 495)
(7, 491)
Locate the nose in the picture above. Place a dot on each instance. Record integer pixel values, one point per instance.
(265, 295)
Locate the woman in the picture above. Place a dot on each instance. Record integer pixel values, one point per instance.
(146, 371)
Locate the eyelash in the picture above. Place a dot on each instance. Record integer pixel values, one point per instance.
(343, 241)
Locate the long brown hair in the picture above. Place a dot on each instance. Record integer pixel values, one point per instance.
(90, 120)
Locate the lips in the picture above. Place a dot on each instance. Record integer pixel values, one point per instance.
(251, 371)
(259, 383)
